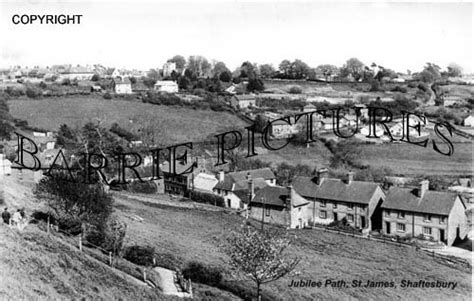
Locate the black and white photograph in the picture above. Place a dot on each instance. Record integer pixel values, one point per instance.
(236, 150)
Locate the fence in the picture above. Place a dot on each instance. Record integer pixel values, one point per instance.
(383, 239)
(116, 262)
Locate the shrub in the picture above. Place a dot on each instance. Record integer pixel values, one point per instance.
(146, 187)
(399, 89)
(141, 255)
(107, 95)
(168, 261)
(198, 272)
(207, 198)
(295, 90)
(32, 92)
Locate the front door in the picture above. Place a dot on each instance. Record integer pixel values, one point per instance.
(335, 216)
(387, 226)
(441, 235)
(362, 222)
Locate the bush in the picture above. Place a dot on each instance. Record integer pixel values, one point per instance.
(32, 92)
(168, 261)
(107, 95)
(295, 90)
(141, 255)
(399, 89)
(198, 272)
(146, 187)
(207, 198)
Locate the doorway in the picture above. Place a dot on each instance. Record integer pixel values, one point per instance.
(387, 227)
(441, 235)
(335, 216)
(362, 222)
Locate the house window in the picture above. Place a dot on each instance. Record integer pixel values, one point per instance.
(225, 192)
(350, 217)
(400, 227)
(427, 230)
(442, 220)
(387, 212)
(323, 203)
(350, 206)
(334, 205)
(323, 214)
(427, 218)
(401, 214)
(267, 211)
(299, 209)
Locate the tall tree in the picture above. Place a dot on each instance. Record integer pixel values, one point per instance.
(454, 70)
(327, 71)
(354, 67)
(6, 120)
(180, 62)
(260, 255)
(267, 71)
(219, 68)
(199, 65)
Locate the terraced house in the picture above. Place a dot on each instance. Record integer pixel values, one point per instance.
(420, 212)
(334, 199)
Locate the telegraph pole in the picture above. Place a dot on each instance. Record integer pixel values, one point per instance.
(263, 210)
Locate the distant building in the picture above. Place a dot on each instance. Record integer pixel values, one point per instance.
(283, 129)
(122, 86)
(309, 108)
(243, 101)
(420, 212)
(168, 68)
(204, 182)
(469, 121)
(234, 187)
(79, 73)
(166, 86)
(181, 181)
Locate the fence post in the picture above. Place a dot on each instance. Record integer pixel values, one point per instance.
(57, 228)
(80, 244)
(110, 258)
(154, 261)
(47, 229)
(144, 275)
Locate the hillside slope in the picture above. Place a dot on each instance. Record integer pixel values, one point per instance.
(35, 265)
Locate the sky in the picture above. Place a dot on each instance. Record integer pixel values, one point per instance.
(144, 34)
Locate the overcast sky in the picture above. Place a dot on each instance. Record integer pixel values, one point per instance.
(144, 35)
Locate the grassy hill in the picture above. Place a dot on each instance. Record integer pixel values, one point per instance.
(192, 234)
(170, 124)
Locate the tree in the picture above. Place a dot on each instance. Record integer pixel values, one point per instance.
(180, 62)
(6, 120)
(149, 82)
(255, 85)
(73, 200)
(260, 255)
(285, 68)
(327, 71)
(225, 76)
(299, 69)
(66, 137)
(219, 68)
(247, 70)
(354, 67)
(199, 65)
(454, 70)
(95, 77)
(267, 71)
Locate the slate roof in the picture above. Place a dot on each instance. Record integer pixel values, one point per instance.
(240, 178)
(272, 195)
(205, 181)
(179, 168)
(244, 97)
(406, 199)
(335, 189)
(120, 81)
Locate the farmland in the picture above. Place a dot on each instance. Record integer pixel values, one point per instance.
(194, 235)
(170, 124)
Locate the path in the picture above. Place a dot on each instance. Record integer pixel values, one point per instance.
(167, 283)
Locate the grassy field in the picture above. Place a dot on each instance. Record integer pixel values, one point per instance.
(170, 124)
(193, 235)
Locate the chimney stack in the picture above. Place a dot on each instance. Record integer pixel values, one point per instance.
(350, 177)
(250, 187)
(424, 185)
(221, 176)
(321, 174)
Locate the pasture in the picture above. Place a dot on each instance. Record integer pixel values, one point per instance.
(170, 124)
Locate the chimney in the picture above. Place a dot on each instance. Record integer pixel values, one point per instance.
(321, 174)
(288, 200)
(350, 177)
(424, 185)
(250, 187)
(221, 176)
